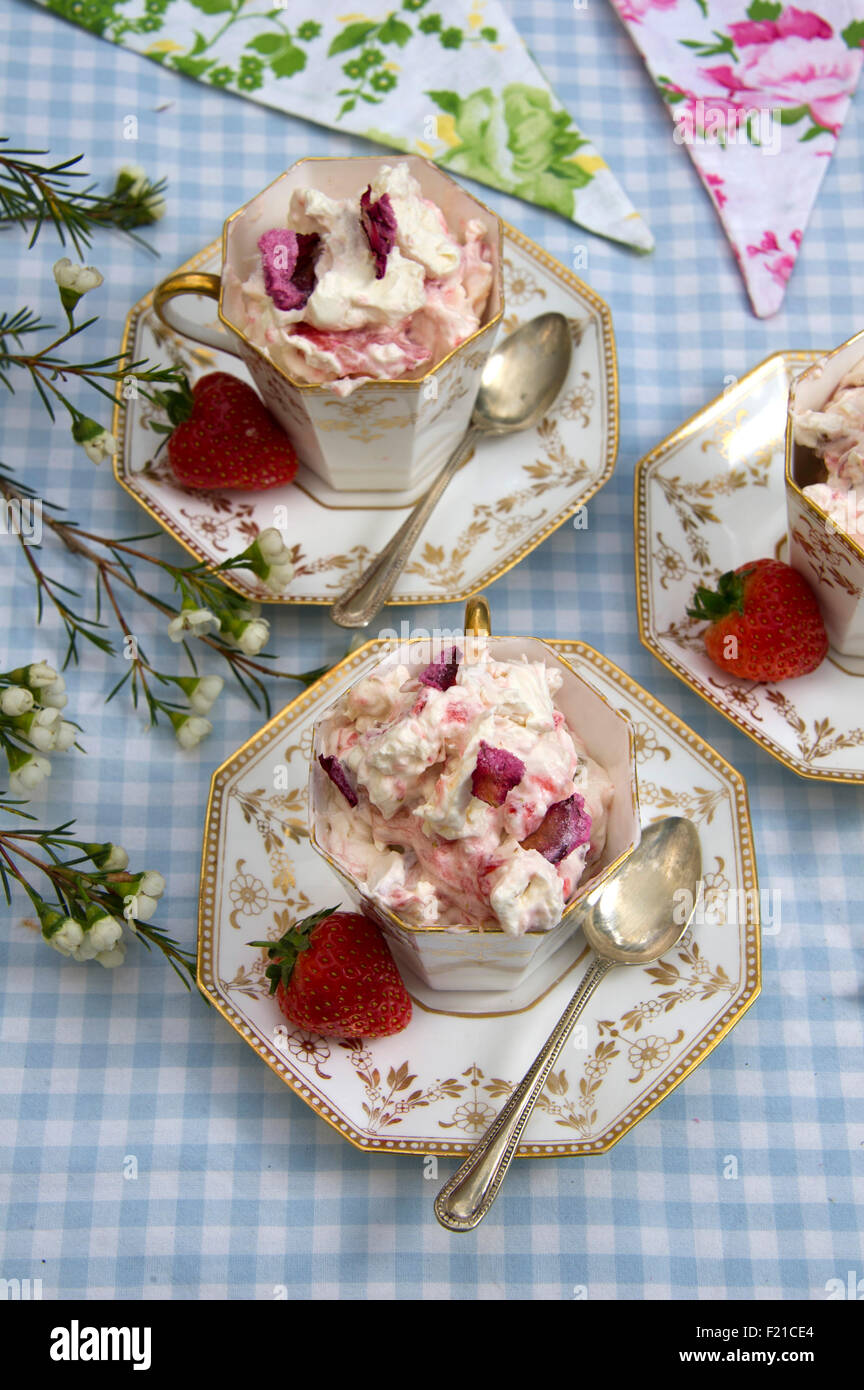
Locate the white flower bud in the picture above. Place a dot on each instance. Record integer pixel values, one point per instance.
(77, 278)
(102, 446)
(272, 546)
(152, 882)
(145, 906)
(133, 177)
(43, 740)
(39, 674)
(102, 935)
(31, 773)
(58, 701)
(16, 699)
(191, 730)
(254, 636)
(112, 958)
(43, 729)
(206, 692)
(192, 622)
(116, 860)
(67, 938)
(278, 577)
(144, 901)
(66, 735)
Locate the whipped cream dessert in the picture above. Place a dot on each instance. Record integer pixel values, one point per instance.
(836, 436)
(369, 287)
(457, 795)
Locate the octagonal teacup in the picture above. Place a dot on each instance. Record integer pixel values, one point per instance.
(469, 957)
(388, 434)
(828, 552)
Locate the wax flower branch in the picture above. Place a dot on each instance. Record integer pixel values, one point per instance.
(33, 193)
(49, 371)
(224, 622)
(93, 903)
(31, 725)
(92, 895)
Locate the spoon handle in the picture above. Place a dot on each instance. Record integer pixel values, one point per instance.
(466, 1198)
(367, 597)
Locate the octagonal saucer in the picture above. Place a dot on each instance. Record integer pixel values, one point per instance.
(510, 496)
(707, 499)
(435, 1087)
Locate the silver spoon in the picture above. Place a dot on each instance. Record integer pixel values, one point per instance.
(519, 383)
(630, 920)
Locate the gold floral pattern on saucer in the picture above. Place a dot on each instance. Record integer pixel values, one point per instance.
(434, 1088)
(710, 498)
(512, 494)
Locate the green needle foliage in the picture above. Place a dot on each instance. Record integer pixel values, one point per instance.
(34, 193)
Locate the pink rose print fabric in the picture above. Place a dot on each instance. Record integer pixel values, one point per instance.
(758, 93)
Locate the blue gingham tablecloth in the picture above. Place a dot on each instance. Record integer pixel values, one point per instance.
(240, 1188)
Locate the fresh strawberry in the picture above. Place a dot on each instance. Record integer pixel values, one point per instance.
(765, 623)
(332, 973)
(229, 439)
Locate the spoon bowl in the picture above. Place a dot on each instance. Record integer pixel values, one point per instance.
(633, 919)
(519, 384)
(638, 915)
(523, 376)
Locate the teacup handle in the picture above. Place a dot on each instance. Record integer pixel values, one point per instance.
(478, 622)
(192, 282)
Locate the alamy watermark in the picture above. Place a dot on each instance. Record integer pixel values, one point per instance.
(77, 1343)
(720, 907)
(22, 516)
(16, 1290)
(432, 645)
(850, 1288)
(700, 121)
(852, 523)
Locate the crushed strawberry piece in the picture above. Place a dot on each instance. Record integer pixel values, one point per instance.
(565, 826)
(338, 775)
(441, 674)
(378, 221)
(496, 774)
(288, 260)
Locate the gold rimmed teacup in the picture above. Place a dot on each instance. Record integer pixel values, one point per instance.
(388, 434)
(466, 957)
(829, 557)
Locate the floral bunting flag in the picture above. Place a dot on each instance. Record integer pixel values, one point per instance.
(449, 79)
(758, 93)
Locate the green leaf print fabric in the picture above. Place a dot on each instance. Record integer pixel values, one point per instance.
(449, 79)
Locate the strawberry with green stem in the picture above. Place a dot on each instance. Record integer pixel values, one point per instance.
(764, 622)
(221, 435)
(332, 973)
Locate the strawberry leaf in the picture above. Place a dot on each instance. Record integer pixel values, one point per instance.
(709, 605)
(284, 952)
(176, 404)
